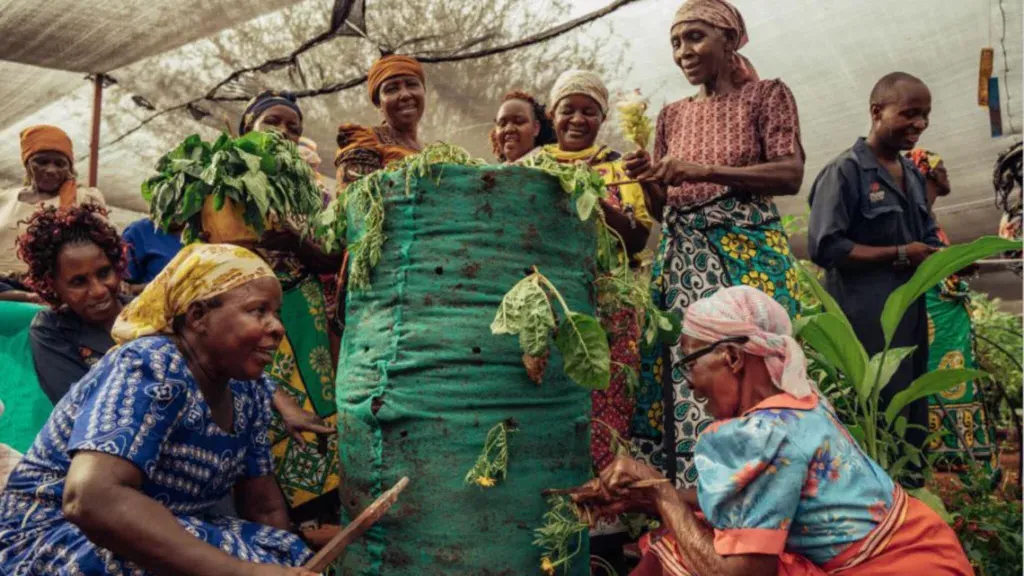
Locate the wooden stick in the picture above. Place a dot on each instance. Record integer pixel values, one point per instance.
(624, 182)
(638, 485)
(362, 523)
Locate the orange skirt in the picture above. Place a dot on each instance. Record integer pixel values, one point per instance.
(912, 539)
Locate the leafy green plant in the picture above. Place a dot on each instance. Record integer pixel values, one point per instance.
(261, 171)
(492, 464)
(998, 351)
(561, 536)
(881, 430)
(526, 310)
(618, 286)
(989, 527)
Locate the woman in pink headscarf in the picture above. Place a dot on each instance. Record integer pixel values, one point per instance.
(720, 157)
(782, 487)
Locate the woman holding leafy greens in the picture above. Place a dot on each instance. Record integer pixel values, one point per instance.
(303, 366)
(258, 192)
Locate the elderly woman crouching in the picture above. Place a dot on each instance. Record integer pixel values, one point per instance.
(782, 486)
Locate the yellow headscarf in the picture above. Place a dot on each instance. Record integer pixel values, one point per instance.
(199, 272)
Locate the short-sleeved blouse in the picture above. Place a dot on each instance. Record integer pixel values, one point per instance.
(787, 476)
(755, 124)
(141, 403)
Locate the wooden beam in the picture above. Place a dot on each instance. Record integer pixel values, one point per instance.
(94, 140)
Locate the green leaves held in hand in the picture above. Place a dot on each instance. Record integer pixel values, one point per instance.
(933, 270)
(261, 171)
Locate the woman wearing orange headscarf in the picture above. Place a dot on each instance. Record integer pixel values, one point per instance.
(397, 87)
(48, 157)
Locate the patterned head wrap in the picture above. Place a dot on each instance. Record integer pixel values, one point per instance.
(725, 16)
(746, 311)
(389, 67)
(198, 272)
(925, 160)
(263, 102)
(573, 82)
(43, 138)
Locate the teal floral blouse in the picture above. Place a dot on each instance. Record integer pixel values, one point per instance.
(787, 476)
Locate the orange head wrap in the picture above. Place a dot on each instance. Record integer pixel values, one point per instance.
(43, 138)
(389, 67)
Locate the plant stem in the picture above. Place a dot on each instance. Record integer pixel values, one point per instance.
(558, 296)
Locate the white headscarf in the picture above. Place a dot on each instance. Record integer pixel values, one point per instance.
(580, 82)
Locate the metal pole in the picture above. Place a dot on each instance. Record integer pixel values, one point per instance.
(94, 141)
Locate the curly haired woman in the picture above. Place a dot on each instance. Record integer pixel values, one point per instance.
(75, 262)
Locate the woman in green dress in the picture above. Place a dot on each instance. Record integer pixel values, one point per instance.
(306, 466)
(959, 411)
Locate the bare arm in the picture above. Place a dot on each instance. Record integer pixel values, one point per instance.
(696, 541)
(779, 177)
(634, 233)
(102, 498)
(260, 500)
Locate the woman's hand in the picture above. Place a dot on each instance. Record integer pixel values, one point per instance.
(637, 164)
(296, 420)
(280, 240)
(673, 172)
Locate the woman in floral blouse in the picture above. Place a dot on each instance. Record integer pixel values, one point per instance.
(782, 486)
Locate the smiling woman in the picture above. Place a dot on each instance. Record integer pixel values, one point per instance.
(75, 263)
(47, 154)
(123, 476)
(521, 125)
(397, 88)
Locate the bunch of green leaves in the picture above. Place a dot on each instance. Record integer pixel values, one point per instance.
(561, 536)
(492, 464)
(881, 430)
(364, 200)
(261, 171)
(526, 310)
(989, 526)
(999, 351)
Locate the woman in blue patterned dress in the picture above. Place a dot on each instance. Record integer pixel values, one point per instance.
(122, 477)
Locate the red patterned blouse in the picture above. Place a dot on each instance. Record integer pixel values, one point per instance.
(754, 124)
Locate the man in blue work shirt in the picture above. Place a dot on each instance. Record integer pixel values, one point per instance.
(870, 227)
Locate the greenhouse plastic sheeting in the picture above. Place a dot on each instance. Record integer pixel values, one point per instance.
(421, 378)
